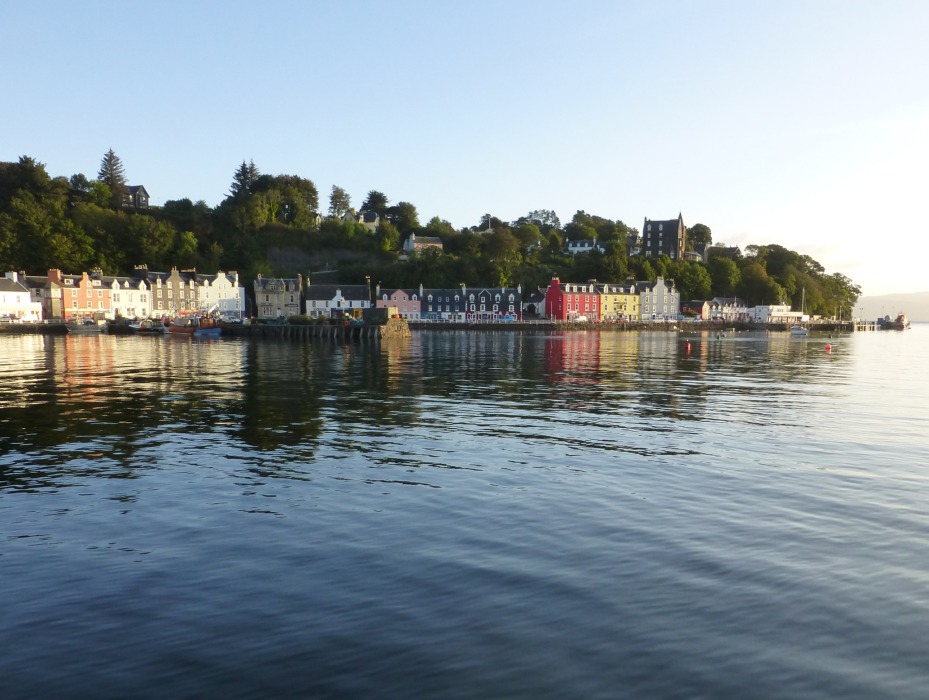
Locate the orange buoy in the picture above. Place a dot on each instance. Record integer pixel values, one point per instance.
(828, 347)
(687, 348)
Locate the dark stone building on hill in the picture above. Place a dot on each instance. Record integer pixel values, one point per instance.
(664, 238)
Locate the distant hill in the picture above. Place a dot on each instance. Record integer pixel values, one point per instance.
(914, 305)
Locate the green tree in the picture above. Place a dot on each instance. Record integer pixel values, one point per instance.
(113, 175)
(699, 234)
(244, 178)
(725, 276)
(339, 202)
(375, 201)
(79, 182)
(387, 236)
(405, 217)
(692, 279)
(439, 228)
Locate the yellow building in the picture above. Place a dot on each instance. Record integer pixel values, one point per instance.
(619, 303)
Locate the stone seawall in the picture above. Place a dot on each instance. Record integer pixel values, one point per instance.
(394, 328)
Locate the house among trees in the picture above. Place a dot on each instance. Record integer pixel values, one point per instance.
(417, 244)
(664, 238)
(135, 197)
(580, 247)
(731, 252)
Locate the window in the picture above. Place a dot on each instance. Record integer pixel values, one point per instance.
(73, 304)
(99, 293)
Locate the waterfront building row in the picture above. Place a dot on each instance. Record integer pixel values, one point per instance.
(95, 296)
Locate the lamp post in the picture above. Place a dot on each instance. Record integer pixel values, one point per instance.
(368, 282)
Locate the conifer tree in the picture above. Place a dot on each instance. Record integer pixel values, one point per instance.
(113, 175)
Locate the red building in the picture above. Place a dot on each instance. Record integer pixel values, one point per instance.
(572, 302)
(82, 296)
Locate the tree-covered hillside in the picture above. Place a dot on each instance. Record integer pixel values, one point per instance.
(271, 224)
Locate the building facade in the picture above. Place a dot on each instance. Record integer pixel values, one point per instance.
(660, 300)
(664, 238)
(619, 302)
(278, 297)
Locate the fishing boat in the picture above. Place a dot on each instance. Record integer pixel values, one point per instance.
(149, 327)
(195, 326)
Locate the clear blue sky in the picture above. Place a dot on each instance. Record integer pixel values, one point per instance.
(799, 123)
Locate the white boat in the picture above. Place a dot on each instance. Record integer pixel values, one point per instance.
(799, 330)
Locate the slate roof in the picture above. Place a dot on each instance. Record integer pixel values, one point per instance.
(349, 292)
(8, 285)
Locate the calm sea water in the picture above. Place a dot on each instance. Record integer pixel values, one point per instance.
(463, 515)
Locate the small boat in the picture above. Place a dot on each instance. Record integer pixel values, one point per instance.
(900, 323)
(83, 326)
(195, 326)
(798, 329)
(149, 327)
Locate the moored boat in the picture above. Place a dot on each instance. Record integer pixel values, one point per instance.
(900, 323)
(85, 326)
(194, 326)
(149, 327)
(799, 330)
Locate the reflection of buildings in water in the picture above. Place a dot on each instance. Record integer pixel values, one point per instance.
(85, 356)
(619, 352)
(573, 355)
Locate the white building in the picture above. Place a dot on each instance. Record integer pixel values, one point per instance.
(16, 300)
(130, 297)
(774, 313)
(221, 293)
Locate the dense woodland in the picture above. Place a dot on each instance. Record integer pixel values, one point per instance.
(268, 224)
